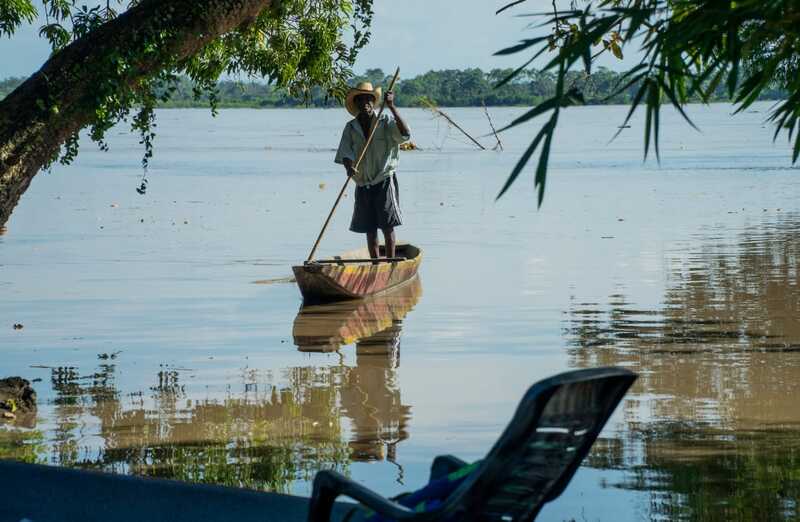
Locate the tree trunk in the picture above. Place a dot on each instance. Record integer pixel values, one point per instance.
(60, 99)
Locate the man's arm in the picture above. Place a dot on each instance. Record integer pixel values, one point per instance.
(345, 153)
(348, 167)
(401, 125)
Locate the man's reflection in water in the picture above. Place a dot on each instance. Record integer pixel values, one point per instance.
(370, 392)
(371, 398)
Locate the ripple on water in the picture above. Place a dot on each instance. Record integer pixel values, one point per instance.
(719, 365)
(679, 275)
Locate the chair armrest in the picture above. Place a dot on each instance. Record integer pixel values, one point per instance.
(329, 484)
(444, 465)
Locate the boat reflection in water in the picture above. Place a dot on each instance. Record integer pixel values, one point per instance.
(369, 394)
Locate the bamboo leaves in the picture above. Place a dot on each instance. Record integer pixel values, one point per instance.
(14, 13)
(785, 117)
(687, 49)
(521, 46)
(554, 104)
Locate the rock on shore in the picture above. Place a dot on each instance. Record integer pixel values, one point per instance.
(17, 398)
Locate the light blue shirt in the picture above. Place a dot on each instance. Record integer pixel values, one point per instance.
(381, 158)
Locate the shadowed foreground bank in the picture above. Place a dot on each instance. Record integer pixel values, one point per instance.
(74, 496)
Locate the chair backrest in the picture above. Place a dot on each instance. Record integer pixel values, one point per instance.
(553, 429)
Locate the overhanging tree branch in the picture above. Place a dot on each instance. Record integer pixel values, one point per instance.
(38, 117)
(129, 63)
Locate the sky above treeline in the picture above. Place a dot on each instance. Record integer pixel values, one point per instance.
(416, 35)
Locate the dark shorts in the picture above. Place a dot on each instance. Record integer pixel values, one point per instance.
(377, 206)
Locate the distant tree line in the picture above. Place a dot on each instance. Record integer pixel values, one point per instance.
(448, 88)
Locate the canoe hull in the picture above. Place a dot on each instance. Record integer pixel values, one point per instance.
(332, 282)
(326, 327)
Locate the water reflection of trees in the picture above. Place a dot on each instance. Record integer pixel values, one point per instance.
(753, 476)
(371, 398)
(270, 434)
(259, 440)
(713, 430)
(23, 445)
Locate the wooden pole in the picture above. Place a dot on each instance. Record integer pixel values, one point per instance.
(441, 113)
(355, 167)
(499, 144)
(360, 260)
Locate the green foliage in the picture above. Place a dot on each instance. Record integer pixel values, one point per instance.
(688, 50)
(446, 88)
(23, 445)
(296, 45)
(14, 13)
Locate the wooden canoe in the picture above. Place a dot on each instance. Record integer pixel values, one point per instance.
(326, 327)
(353, 275)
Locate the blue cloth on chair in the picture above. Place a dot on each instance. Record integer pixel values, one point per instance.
(431, 496)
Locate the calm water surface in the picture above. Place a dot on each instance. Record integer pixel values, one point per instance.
(164, 339)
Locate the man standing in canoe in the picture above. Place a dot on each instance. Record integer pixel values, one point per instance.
(377, 200)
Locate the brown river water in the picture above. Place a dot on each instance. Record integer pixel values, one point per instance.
(165, 338)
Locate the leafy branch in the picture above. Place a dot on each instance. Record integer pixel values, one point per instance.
(296, 45)
(687, 49)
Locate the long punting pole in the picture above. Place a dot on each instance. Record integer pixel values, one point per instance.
(355, 167)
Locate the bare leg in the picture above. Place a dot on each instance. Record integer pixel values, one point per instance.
(372, 243)
(388, 236)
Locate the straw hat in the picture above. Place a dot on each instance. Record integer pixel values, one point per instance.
(361, 88)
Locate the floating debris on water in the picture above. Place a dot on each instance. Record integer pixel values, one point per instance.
(409, 145)
(498, 145)
(433, 108)
(277, 280)
(18, 326)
